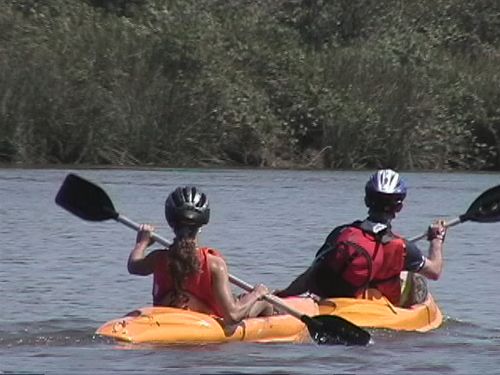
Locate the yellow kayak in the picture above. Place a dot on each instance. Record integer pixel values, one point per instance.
(380, 313)
(375, 311)
(168, 325)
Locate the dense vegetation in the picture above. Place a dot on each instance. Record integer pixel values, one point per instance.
(283, 83)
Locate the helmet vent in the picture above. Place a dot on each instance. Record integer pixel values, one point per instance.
(187, 206)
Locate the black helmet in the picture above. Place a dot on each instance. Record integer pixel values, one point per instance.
(187, 206)
(385, 191)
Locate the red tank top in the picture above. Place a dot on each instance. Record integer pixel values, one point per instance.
(199, 285)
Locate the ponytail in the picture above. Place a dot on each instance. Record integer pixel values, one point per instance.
(184, 260)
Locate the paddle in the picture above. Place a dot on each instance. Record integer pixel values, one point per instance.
(324, 329)
(484, 209)
(89, 202)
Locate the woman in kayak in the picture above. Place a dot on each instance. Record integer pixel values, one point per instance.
(188, 276)
(364, 256)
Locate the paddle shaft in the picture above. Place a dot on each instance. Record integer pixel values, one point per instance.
(448, 224)
(333, 330)
(273, 300)
(233, 279)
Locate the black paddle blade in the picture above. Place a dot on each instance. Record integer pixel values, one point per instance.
(85, 199)
(335, 330)
(486, 207)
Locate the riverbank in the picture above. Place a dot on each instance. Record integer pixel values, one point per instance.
(285, 84)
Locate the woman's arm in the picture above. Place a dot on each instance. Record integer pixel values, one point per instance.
(139, 263)
(233, 310)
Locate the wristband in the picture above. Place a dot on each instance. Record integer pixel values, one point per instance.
(436, 233)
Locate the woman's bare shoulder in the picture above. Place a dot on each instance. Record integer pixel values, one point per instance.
(216, 263)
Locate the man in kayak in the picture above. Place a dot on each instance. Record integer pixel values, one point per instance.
(188, 276)
(366, 255)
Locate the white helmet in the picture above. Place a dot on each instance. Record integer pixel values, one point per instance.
(385, 191)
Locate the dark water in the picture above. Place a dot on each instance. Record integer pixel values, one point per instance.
(61, 277)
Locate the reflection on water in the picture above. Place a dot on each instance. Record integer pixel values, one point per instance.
(61, 277)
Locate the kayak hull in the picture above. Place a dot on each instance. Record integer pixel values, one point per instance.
(168, 325)
(380, 313)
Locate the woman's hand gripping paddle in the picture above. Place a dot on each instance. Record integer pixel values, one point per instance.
(484, 209)
(90, 202)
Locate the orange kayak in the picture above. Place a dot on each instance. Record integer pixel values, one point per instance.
(168, 325)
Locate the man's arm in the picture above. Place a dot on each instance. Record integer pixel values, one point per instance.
(297, 286)
(432, 265)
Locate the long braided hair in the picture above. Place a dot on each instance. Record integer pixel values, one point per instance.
(186, 210)
(183, 256)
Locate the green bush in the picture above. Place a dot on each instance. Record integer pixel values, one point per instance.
(308, 83)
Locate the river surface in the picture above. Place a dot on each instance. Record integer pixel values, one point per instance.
(62, 277)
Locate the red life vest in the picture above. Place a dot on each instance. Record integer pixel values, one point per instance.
(353, 260)
(199, 285)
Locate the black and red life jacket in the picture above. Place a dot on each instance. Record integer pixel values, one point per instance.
(354, 258)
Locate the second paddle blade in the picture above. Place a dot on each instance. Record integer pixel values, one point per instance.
(486, 208)
(85, 199)
(335, 330)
